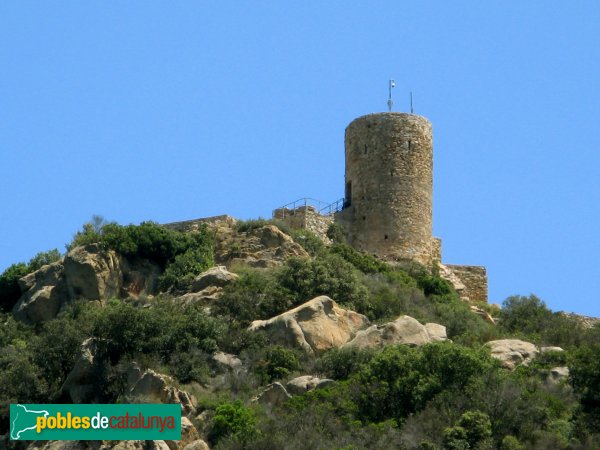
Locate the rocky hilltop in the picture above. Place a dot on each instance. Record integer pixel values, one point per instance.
(274, 337)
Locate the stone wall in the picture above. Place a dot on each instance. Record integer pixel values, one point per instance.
(436, 249)
(389, 161)
(194, 225)
(305, 218)
(475, 280)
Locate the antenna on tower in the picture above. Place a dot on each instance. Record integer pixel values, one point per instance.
(411, 105)
(390, 102)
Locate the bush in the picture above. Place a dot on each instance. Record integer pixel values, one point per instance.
(341, 364)
(277, 363)
(401, 380)
(434, 285)
(363, 262)
(308, 240)
(243, 226)
(255, 295)
(161, 330)
(336, 233)
(233, 419)
(584, 374)
(327, 275)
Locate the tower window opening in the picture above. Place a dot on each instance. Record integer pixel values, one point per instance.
(348, 194)
(366, 149)
(386, 236)
(409, 144)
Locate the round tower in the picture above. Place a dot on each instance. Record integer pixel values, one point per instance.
(389, 183)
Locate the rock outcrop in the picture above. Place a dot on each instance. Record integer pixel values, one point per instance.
(217, 276)
(189, 434)
(158, 388)
(404, 330)
(93, 273)
(265, 246)
(300, 385)
(315, 326)
(512, 352)
(81, 384)
(44, 292)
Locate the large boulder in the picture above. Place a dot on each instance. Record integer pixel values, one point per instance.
(300, 385)
(93, 273)
(315, 326)
(512, 352)
(157, 388)
(44, 293)
(217, 276)
(81, 384)
(228, 361)
(404, 330)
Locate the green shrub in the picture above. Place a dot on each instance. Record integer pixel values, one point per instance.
(277, 363)
(363, 262)
(55, 348)
(336, 233)
(455, 438)
(243, 226)
(327, 274)
(190, 366)
(524, 314)
(434, 285)
(255, 295)
(401, 380)
(511, 443)
(233, 419)
(342, 363)
(161, 330)
(180, 273)
(584, 374)
(44, 258)
(308, 240)
(478, 429)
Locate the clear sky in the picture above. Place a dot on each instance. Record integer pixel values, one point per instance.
(166, 111)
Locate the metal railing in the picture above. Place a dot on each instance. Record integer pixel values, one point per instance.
(319, 206)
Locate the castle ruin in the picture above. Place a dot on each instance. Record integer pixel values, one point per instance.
(387, 207)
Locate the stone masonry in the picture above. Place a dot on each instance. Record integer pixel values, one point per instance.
(389, 183)
(475, 280)
(305, 218)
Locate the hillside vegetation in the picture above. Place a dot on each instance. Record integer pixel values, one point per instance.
(204, 339)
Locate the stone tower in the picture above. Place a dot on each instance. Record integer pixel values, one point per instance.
(389, 183)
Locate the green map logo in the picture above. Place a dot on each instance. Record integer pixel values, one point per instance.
(24, 420)
(95, 422)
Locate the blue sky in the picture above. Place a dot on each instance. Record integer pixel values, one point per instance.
(166, 111)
